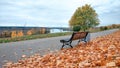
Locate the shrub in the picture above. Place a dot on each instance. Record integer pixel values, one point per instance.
(20, 34)
(76, 28)
(29, 32)
(104, 28)
(42, 31)
(13, 34)
(5, 33)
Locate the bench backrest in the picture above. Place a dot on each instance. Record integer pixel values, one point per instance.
(78, 35)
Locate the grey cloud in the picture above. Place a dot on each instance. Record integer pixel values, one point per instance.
(46, 12)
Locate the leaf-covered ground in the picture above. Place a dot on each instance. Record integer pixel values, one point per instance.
(102, 52)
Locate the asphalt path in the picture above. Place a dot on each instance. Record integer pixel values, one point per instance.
(13, 51)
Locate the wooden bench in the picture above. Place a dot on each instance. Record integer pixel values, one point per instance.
(81, 36)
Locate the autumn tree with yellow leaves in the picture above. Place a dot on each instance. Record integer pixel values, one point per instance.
(85, 17)
(13, 34)
(16, 34)
(29, 32)
(20, 33)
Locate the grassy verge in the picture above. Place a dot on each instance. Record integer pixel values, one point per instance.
(28, 37)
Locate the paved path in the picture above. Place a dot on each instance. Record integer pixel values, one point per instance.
(14, 50)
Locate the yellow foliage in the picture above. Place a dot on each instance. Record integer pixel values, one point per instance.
(20, 34)
(29, 32)
(13, 34)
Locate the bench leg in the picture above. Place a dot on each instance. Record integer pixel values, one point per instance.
(71, 46)
(68, 44)
(62, 46)
(78, 41)
(85, 41)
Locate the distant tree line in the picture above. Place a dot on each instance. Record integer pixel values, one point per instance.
(20, 33)
(110, 27)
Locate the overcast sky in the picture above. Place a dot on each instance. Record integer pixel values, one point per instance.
(54, 13)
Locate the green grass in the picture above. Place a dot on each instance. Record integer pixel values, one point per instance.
(94, 30)
(28, 37)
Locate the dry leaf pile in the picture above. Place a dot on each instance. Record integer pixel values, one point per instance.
(100, 52)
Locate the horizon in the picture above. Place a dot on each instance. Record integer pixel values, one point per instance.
(54, 26)
(54, 13)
